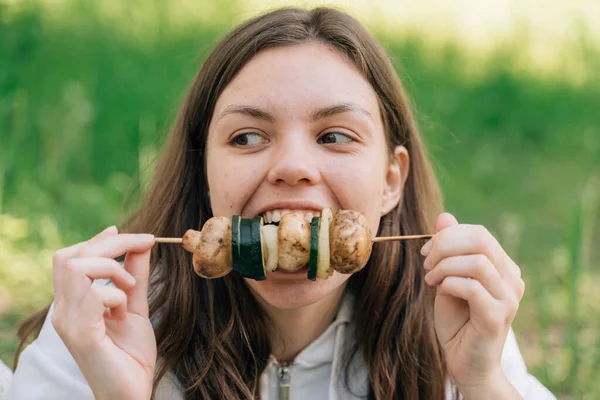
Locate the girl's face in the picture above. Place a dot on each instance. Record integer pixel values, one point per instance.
(299, 128)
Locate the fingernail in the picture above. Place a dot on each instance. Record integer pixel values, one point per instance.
(146, 237)
(426, 249)
(427, 263)
(428, 277)
(131, 280)
(109, 228)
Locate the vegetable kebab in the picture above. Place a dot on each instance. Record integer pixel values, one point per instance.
(340, 242)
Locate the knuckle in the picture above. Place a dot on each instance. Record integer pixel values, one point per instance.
(520, 287)
(83, 251)
(481, 231)
(514, 268)
(59, 257)
(481, 263)
(513, 307)
(71, 265)
(481, 242)
(482, 236)
(489, 271)
(442, 249)
(473, 289)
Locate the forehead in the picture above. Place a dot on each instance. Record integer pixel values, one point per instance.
(296, 79)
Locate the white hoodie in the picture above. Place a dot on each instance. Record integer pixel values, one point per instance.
(46, 370)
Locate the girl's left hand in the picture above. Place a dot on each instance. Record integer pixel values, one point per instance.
(479, 289)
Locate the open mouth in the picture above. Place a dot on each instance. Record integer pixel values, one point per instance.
(291, 241)
(273, 217)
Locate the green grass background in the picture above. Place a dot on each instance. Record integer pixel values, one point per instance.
(86, 101)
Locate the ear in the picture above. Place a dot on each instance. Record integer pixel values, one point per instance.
(395, 179)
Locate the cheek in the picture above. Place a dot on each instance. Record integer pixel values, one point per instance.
(358, 186)
(231, 180)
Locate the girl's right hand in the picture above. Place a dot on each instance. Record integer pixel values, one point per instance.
(107, 329)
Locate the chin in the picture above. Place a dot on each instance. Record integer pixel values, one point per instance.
(287, 291)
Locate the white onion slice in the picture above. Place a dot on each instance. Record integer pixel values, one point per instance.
(324, 269)
(269, 245)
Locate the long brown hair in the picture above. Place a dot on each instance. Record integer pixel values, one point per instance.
(212, 333)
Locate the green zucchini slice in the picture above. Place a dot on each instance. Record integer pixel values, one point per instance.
(314, 248)
(250, 261)
(259, 260)
(235, 242)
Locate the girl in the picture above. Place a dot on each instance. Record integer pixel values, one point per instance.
(293, 110)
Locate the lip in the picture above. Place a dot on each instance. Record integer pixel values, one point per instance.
(291, 205)
(280, 274)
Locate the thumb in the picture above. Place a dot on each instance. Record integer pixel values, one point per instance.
(444, 221)
(138, 265)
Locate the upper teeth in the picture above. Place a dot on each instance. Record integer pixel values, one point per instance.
(275, 215)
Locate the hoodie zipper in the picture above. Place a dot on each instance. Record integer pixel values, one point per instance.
(284, 372)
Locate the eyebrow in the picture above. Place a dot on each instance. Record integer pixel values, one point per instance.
(329, 111)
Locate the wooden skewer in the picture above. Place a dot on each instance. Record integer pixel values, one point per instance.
(375, 240)
(408, 237)
(168, 240)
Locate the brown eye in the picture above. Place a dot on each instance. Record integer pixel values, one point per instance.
(334, 138)
(247, 139)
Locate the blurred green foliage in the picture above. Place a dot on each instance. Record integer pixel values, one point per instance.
(85, 107)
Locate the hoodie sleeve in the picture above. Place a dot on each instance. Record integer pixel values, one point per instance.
(5, 377)
(46, 370)
(516, 372)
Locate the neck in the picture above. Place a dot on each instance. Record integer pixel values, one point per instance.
(294, 329)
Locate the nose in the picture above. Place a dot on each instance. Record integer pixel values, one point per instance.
(294, 162)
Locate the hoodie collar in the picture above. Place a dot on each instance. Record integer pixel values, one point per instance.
(322, 350)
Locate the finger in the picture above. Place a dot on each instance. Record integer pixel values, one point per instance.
(512, 267)
(476, 266)
(109, 297)
(103, 268)
(110, 231)
(118, 245)
(486, 313)
(465, 239)
(514, 280)
(63, 255)
(445, 220)
(72, 321)
(138, 265)
(81, 272)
